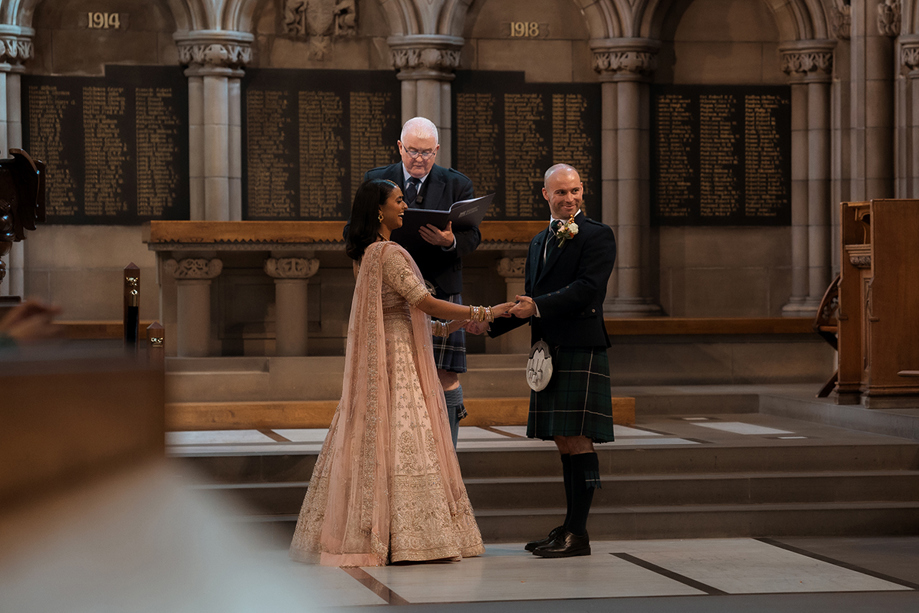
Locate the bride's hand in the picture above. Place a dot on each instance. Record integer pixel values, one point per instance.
(500, 310)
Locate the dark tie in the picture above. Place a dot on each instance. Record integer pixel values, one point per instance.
(552, 237)
(411, 191)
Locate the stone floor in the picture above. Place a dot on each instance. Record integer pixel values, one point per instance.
(144, 540)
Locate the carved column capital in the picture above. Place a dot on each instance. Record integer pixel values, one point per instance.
(512, 267)
(625, 59)
(808, 60)
(214, 51)
(889, 18)
(194, 269)
(909, 54)
(15, 47)
(291, 268)
(425, 56)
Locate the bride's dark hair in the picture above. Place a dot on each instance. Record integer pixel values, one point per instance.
(364, 226)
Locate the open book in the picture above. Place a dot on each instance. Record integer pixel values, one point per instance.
(464, 214)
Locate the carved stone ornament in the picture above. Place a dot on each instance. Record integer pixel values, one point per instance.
(318, 21)
(430, 58)
(215, 54)
(635, 62)
(889, 18)
(909, 57)
(15, 50)
(291, 268)
(190, 269)
(842, 20)
(808, 63)
(512, 267)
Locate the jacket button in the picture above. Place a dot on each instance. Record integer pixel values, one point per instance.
(593, 310)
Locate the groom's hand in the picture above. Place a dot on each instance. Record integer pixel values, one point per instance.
(524, 309)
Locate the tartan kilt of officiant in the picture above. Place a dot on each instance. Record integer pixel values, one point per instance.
(578, 400)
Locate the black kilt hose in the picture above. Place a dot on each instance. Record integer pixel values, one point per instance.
(577, 401)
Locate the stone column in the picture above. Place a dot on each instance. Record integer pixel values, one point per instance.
(193, 303)
(809, 65)
(625, 66)
(426, 63)
(15, 49)
(909, 64)
(291, 278)
(512, 269)
(215, 60)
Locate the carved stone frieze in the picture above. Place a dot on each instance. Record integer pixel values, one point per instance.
(625, 59)
(841, 20)
(216, 55)
(889, 12)
(291, 268)
(909, 55)
(808, 64)
(637, 62)
(430, 58)
(425, 56)
(318, 21)
(194, 269)
(512, 267)
(15, 49)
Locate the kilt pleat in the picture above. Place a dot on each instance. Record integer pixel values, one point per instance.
(450, 351)
(578, 400)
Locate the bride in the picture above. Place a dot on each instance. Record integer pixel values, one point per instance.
(387, 485)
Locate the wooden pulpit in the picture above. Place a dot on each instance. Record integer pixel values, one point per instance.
(878, 317)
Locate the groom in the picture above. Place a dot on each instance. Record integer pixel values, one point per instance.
(567, 270)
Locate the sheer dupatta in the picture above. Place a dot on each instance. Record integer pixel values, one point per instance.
(345, 519)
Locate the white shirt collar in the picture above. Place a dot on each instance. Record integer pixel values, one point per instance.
(406, 176)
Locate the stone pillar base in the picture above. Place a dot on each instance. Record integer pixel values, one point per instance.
(801, 308)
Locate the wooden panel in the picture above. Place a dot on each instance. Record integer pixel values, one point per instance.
(97, 330)
(318, 414)
(64, 421)
(209, 232)
(849, 316)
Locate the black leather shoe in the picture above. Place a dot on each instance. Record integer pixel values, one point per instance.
(565, 545)
(552, 534)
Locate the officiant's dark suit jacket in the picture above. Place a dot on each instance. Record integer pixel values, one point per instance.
(440, 190)
(569, 288)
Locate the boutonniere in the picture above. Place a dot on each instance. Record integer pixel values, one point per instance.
(567, 230)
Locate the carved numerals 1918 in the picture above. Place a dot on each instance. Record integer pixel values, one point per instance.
(527, 29)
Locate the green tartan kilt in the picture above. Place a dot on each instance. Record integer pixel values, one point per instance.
(577, 401)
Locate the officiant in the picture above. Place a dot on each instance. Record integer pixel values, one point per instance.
(425, 185)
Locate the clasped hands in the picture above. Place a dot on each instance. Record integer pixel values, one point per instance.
(523, 308)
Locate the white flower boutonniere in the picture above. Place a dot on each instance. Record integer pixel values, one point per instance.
(569, 229)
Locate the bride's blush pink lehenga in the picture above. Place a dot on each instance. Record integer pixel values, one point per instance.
(387, 485)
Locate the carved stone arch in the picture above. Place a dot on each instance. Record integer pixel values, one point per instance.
(20, 12)
(795, 19)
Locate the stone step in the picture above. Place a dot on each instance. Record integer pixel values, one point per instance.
(688, 521)
(643, 490)
(281, 467)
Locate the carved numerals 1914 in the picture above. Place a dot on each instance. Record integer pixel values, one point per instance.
(97, 20)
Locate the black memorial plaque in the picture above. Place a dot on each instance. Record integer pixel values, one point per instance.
(116, 147)
(720, 155)
(507, 132)
(310, 135)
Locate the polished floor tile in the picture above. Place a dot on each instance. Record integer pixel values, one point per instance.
(737, 427)
(507, 572)
(216, 437)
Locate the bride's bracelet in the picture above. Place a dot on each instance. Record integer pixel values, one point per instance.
(481, 313)
(440, 328)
